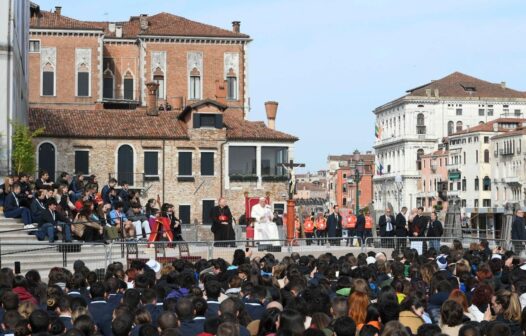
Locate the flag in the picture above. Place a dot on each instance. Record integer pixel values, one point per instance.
(379, 168)
(377, 131)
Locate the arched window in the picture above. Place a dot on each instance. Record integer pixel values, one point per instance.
(420, 124)
(48, 80)
(128, 86)
(108, 84)
(195, 84)
(47, 158)
(477, 183)
(231, 85)
(83, 87)
(450, 127)
(158, 77)
(125, 164)
(459, 126)
(486, 156)
(419, 154)
(486, 184)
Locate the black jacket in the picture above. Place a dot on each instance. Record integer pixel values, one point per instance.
(518, 230)
(216, 212)
(435, 229)
(47, 217)
(400, 225)
(10, 202)
(37, 209)
(333, 224)
(360, 223)
(418, 225)
(382, 224)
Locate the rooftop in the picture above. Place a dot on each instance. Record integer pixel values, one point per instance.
(161, 24)
(503, 125)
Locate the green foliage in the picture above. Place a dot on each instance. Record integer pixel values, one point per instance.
(23, 148)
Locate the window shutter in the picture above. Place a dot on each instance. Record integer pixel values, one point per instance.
(219, 121)
(83, 84)
(48, 83)
(151, 163)
(207, 164)
(185, 163)
(197, 120)
(184, 214)
(128, 88)
(208, 205)
(82, 162)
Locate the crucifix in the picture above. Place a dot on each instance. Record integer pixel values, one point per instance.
(291, 204)
(291, 176)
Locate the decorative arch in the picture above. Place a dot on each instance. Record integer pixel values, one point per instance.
(128, 85)
(108, 84)
(125, 164)
(47, 157)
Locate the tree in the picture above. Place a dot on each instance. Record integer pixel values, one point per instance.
(23, 154)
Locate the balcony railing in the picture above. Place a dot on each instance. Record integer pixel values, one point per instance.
(506, 151)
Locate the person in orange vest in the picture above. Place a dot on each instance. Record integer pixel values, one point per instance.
(321, 228)
(368, 225)
(350, 225)
(308, 228)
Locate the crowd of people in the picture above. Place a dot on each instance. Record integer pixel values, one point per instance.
(450, 291)
(75, 208)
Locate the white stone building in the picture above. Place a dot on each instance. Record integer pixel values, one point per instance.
(508, 169)
(14, 46)
(417, 122)
(470, 173)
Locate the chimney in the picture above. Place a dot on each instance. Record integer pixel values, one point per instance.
(151, 99)
(111, 27)
(503, 85)
(58, 10)
(436, 93)
(495, 126)
(428, 93)
(236, 26)
(220, 91)
(118, 31)
(271, 107)
(143, 19)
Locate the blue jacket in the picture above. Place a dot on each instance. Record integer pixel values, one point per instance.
(10, 202)
(193, 327)
(101, 312)
(213, 309)
(333, 225)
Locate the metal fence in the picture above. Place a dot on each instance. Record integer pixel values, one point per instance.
(43, 256)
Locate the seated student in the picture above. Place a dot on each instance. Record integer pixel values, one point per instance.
(52, 221)
(87, 224)
(25, 196)
(38, 206)
(43, 181)
(118, 218)
(5, 188)
(124, 195)
(13, 209)
(139, 220)
(105, 192)
(77, 186)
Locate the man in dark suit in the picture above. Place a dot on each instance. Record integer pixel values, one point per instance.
(419, 224)
(51, 219)
(101, 311)
(13, 208)
(401, 229)
(334, 225)
(518, 231)
(386, 223)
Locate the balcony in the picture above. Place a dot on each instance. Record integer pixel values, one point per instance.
(506, 151)
(121, 98)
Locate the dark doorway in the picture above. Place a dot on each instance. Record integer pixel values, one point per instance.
(125, 167)
(46, 159)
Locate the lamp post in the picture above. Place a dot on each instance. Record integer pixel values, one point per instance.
(357, 177)
(399, 184)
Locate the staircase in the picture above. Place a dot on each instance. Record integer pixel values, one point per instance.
(41, 256)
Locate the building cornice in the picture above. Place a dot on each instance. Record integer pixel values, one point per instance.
(66, 32)
(194, 39)
(404, 140)
(110, 40)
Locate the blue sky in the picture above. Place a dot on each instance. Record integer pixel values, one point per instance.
(330, 63)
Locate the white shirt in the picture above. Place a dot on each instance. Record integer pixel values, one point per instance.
(261, 214)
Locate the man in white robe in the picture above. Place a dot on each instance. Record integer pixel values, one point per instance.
(264, 227)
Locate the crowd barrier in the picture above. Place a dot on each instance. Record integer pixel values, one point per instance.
(42, 255)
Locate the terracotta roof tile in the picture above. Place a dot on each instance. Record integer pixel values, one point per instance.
(241, 129)
(161, 24)
(460, 85)
(125, 124)
(519, 131)
(488, 127)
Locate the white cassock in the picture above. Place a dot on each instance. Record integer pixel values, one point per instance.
(264, 227)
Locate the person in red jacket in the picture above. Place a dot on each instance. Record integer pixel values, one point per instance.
(350, 225)
(308, 228)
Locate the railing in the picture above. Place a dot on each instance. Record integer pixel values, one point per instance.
(135, 180)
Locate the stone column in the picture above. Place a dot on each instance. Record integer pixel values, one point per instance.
(226, 167)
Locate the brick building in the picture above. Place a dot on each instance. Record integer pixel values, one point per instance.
(342, 184)
(158, 101)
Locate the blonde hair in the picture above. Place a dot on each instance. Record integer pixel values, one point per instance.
(510, 304)
(25, 308)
